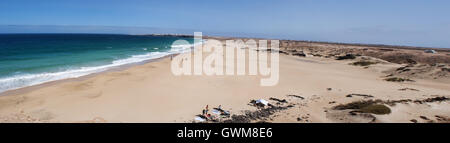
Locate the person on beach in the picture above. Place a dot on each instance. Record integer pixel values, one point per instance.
(205, 111)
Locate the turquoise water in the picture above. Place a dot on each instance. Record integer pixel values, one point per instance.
(30, 59)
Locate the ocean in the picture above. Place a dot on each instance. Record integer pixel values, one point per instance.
(31, 59)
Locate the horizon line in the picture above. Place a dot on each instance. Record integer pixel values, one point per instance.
(185, 31)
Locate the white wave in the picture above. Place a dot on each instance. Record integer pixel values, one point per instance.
(184, 48)
(25, 80)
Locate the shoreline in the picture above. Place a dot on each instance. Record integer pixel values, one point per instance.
(31, 88)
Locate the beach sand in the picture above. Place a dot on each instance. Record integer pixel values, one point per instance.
(151, 93)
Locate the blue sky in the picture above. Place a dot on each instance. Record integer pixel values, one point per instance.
(398, 22)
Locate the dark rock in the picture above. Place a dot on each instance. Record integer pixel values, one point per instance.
(348, 56)
(397, 79)
(259, 105)
(255, 115)
(412, 89)
(411, 61)
(442, 119)
(423, 117)
(435, 99)
(386, 49)
(445, 69)
(300, 54)
(296, 96)
(353, 113)
(362, 95)
(283, 52)
(278, 100)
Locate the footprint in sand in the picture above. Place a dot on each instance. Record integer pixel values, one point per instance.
(93, 95)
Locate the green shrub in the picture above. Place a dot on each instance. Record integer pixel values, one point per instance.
(376, 109)
(369, 106)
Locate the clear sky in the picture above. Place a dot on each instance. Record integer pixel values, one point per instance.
(398, 22)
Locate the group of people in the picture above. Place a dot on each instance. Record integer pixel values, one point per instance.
(205, 113)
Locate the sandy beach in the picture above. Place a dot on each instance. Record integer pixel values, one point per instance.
(312, 85)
